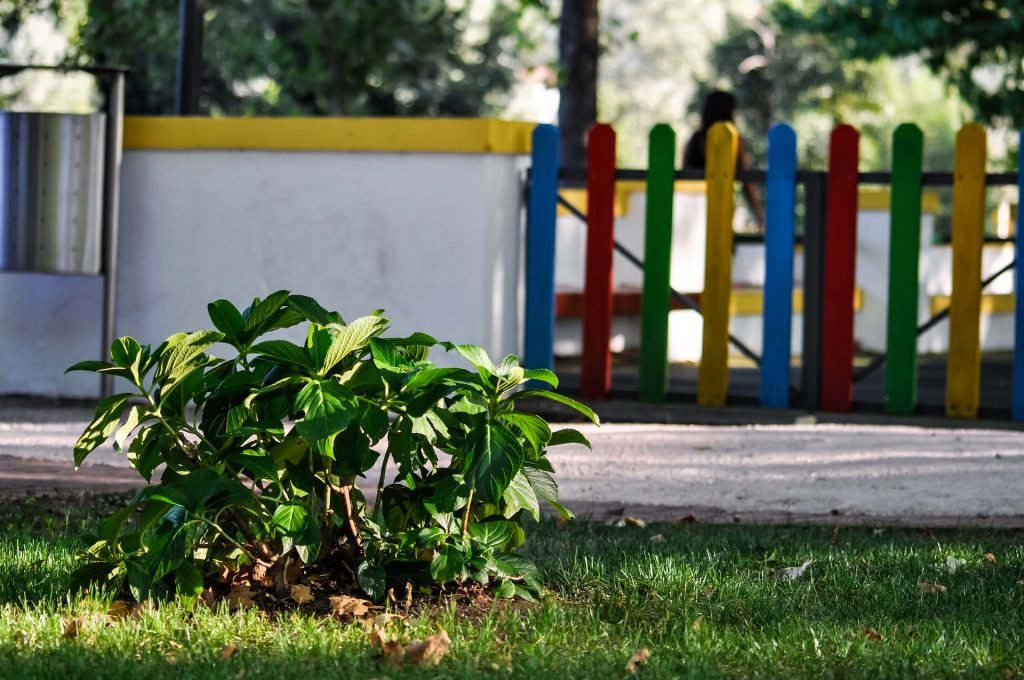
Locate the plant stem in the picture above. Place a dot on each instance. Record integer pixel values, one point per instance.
(377, 505)
(465, 517)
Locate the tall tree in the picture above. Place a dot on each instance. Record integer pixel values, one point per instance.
(578, 52)
(976, 45)
(311, 57)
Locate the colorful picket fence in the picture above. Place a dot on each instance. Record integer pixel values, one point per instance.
(840, 232)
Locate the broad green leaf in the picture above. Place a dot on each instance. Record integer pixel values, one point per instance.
(531, 426)
(125, 351)
(561, 399)
(347, 339)
(506, 590)
(516, 567)
(139, 582)
(520, 496)
(107, 417)
(90, 366)
(167, 493)
(541, 374)
(372, 579)
(568, 436)
(260, 315)
(510, 372)
(283, 383)
(291, 518)
(135, 415)
(237, 416)
(474, 354)
(328, 407)
(181, 352)
(311, 310)
(542, 482)
(188, 580)
(447, 564)
(257, 463)
(284, 352)
(494, 535)
(387, 357)
(496, 457)
(228, 320)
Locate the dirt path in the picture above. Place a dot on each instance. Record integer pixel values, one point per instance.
(830, 474)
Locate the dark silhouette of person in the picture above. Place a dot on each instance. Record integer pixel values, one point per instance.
(719, 107)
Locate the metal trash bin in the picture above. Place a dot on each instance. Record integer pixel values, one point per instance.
(51, 192)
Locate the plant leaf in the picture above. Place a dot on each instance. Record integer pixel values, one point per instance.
(496, 457)
(447, 564)
(531, 426)
(311, 310)
(568, 436)
(562, 399)
(107, 416)
(284, 352)
(520, 495)
(228, 320)
(348, 339)
(328, 407)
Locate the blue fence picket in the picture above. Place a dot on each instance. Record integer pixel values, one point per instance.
(538, 350)
(1018, 288)
(780, 203)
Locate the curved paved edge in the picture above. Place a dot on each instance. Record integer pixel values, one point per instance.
(19, 476)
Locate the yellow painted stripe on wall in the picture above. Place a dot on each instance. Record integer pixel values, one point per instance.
(425, 135)
(713, 372)
(963, 367)
(751, 302)
(991, 303)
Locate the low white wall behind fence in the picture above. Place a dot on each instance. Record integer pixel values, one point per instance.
(432, 237)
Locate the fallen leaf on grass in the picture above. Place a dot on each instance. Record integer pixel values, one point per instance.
(953, 564)
(926, 587)
(631, 522)
(71, 627)
(392, 650)
(638, 659)
(698, 623)
(1020, 581)
(689, 519)
(301, 594)
(873, 635)
(343, 605)
(562, 522)
(990, 557)
(792, 573)
(241, 597)
(207, 597)
(657, 538)
(428, 652)
(229, 651)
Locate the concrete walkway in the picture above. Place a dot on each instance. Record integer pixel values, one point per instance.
(833, 474)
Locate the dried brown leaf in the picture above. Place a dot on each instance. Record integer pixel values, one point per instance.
(241, 597)
(634, 522)
(990, 558)
(926, 587)
(698, 623)
(70, 628)
(562, 522)
(657, 538)
(343, 605)
(229, 651)
(873, 635)
(689, 519)
(638, 659)
(120, 610)
(301, 594)
(428, 652)
(392, 650)
(207, 597)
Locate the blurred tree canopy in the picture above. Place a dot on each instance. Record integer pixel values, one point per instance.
(976, 45)
(300, 57)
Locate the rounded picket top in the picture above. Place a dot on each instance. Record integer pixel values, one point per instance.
(601, 133)
(662, 134)
(782, 135)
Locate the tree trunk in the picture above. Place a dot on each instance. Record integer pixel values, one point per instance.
(577, 52)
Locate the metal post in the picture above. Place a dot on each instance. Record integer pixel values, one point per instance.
(190, 56)
(814, 285)
(111, 207)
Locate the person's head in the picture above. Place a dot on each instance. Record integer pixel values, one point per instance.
(718, 107)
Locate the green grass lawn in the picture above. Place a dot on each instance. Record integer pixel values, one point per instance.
(703, 599)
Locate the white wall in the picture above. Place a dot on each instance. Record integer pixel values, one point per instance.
(432, 238)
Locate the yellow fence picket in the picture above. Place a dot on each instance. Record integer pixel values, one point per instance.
(963, 368)
(713, 374)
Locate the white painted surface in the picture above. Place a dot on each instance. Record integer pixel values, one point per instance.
(434, 239)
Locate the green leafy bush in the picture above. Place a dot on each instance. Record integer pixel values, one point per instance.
(261, 457)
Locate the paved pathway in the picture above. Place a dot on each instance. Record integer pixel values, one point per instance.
(835, 474)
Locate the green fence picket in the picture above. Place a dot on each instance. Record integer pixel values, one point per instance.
(904, 253)
(657, 264)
